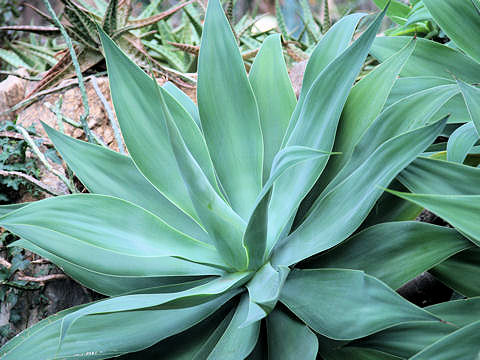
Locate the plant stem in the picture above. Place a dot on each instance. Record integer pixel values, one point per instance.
(76, 65)
(30, 179)
(44, 160)
(42, 279)
(111, 117)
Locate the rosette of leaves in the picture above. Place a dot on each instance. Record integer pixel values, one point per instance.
(435, 64)
(231, 229)
(82, 28)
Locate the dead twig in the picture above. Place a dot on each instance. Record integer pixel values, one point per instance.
(111, 117)
(40, 261)
(44, 160)
(11, 73)
(68, 84)
(37, 96)
(30, 179)
(17, 136)
(42, 279)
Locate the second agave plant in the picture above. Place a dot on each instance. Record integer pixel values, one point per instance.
(255, 225)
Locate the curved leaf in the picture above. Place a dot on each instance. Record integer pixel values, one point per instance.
(112, 285)
(429, 58)
(409, 113)
(338, 214)
(264, 289)
(458, 312)
(187, 298)
(107, 172)
(432, 176)
(405, 340)
(119, 333)
(455, 209)
(288, 338)
(67, 226)
(361, 110)
(332, 44)
(408, 339)
(190, 344)
(407, 86)
(463, 344)
(5, 209)
(136, 103)
(255, 236)
(379, 250)
(223, 225)
(184, 100)
(309, 293)
(316, 128)
(461, 142)
(237, 342)
(452, 272)
(336, 350)
(471, 95)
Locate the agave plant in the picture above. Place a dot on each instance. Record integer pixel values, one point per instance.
(231, 229)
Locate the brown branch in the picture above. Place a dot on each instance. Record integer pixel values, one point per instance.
(30, 179)
(38, 95)
(5, 263)
(11, 73)
(40, 261)
(42, 279)
(14, 135)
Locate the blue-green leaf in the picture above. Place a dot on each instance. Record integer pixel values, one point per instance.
(275, 97)
(316, 128)
(339, 213)
(229, 114)
(223, 225)
(379, 250)
(309, 293)
(107, 172)
(288, 338)
(139, 113)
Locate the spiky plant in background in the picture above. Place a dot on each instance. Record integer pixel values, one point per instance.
(172, 48)
(115, 21)
(232, 229)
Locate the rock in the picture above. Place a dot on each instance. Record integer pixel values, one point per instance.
(12, 91)
(72, 107)
(65, 293)
(296, 73)
(425, 290)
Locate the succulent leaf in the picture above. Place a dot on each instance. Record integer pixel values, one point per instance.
(229, 115)
(307, 294)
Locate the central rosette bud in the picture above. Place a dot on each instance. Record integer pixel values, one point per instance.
(264, 289)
